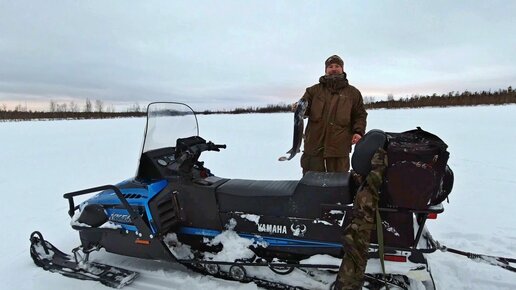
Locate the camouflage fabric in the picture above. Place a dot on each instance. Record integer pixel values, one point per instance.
(357, 234)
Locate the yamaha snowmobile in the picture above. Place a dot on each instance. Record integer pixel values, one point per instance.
(175, 209)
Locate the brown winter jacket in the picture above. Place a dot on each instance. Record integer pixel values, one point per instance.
(334, 114)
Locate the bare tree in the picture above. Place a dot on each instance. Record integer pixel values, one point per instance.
(88, 106)
(99, 106)
(20, 108)
(368, 100)
(3, 108)
(73, 107)
(62, 107)
(390, 97)
(53, 106)
(134, 108)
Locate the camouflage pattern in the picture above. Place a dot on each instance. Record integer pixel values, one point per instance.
(357, 234)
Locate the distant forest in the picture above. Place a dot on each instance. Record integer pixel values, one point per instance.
(97, 110)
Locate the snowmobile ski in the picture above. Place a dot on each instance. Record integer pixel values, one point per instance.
(50, 258)
(377, 281)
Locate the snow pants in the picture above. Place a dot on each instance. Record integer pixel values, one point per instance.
(321, 164)
(358, 233)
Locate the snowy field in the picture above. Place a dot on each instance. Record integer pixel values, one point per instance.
(42, 160)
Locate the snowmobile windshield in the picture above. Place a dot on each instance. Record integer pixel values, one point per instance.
(166, 122)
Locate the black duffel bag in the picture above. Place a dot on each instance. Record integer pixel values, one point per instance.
(417, 174)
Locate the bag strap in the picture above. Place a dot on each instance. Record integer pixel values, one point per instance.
(381, 250)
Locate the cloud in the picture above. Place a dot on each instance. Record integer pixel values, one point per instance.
(247, 52)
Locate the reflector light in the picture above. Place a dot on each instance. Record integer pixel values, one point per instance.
(142, 242)
(393, 258)
(432, 216)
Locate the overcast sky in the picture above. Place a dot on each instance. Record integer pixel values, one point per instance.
(222, 54)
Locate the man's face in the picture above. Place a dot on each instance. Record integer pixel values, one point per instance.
(334, 69)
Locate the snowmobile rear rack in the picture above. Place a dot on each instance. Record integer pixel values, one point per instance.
(143, 229)
(431, 209)
(421, 214)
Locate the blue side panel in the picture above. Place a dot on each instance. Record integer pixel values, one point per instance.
(136, 194)
(141, 194)
(271, 241)
(121, 217)
(156, 187)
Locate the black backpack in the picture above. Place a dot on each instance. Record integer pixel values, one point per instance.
(417, 175)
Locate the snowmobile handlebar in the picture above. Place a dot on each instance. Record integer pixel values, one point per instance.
(189, 155)
(218, 146)
(208, 146)
(196, 150)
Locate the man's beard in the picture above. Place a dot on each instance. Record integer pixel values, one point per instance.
(331, 73)
(335, 81)
(335, 77)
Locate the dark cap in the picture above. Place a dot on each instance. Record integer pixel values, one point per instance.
(334, 59)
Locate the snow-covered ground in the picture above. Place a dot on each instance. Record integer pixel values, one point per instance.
(41, 160)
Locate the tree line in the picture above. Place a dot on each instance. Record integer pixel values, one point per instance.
(72, 110)
(97, 109)
(451, 99)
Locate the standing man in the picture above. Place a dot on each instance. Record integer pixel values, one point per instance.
(336, 120)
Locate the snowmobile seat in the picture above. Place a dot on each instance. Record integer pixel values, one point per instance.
(316, 188)
(258, 188)
(334, 186)
(285, 198)
(255, 196)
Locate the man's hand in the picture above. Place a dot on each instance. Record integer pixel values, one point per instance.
(355, 139)
(293, 107)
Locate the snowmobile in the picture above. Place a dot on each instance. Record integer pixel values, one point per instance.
(175, 209)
